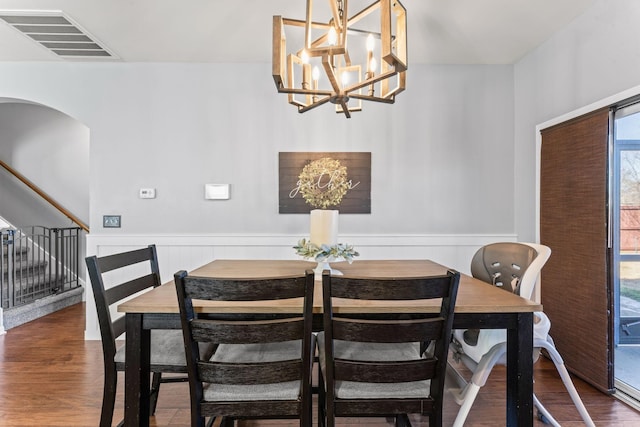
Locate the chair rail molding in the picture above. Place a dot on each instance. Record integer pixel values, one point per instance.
(190, 251)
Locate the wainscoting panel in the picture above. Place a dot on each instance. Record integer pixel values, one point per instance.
(188, 252)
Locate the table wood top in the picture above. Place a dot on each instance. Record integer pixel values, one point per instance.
(474, 296)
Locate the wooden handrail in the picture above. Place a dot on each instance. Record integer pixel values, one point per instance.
(45, 196)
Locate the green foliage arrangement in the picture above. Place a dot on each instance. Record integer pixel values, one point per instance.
(306, 249)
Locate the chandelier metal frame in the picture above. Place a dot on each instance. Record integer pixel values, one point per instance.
(386, 45)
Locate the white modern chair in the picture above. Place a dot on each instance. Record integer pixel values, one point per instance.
(514, 267)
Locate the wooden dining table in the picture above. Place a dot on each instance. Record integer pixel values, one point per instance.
(478, 305)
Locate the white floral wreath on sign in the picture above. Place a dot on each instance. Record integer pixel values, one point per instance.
(323, 182)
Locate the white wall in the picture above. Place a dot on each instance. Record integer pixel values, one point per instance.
(175, 127)
(52, 151)
(595, 57)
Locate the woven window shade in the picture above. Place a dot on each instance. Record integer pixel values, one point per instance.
(576, 291)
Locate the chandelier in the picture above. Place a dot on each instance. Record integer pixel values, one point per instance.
(376, 36)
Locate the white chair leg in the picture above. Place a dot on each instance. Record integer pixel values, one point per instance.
(548, 417)
(470, 393)
(454, 377)
(566, 379)
(466, 395)
(455, 384)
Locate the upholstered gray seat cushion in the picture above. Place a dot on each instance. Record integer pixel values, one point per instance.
(289, 390)
(250, 353)
(374, 352)
(167, 348)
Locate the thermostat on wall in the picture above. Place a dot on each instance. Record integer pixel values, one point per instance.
(216, 191)
(147, 193)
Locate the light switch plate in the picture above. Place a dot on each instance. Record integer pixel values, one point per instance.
(216, 191)
(111, 221)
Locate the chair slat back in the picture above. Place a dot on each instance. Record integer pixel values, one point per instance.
(402, 371)
(250, 331)
(390, 289)
(97, 267)
(418, 328)
(247, 330)
(263, 373)
(119, 292)
(115, 261)
(244, 290)
(395, 331)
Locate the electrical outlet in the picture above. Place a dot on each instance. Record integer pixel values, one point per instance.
(111, 221)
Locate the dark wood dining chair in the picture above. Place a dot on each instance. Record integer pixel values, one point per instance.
(133, 272)
(380, 365)
(261, 368)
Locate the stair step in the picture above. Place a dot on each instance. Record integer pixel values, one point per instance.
(25, 267)
(36, 287)
(16, 316)
(38, 281)
(19, 250)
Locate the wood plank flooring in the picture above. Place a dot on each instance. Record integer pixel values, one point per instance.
(51, 377)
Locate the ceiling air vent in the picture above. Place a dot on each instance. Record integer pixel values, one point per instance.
(56, 32)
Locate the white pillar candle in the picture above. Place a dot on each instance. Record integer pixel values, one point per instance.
(324, 227)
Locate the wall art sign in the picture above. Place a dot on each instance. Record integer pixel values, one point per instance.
(317, 180)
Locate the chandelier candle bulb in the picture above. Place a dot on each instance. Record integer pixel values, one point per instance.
(324, 227)
(332, 36)
(315, 75)
(304, 56)
(370, 53)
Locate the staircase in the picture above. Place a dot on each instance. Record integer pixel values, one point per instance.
(38, 274)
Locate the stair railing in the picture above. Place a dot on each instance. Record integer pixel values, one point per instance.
(7, 267)
(45, 196)
(37, 262)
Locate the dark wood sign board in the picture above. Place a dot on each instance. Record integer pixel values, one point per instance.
(356, 200)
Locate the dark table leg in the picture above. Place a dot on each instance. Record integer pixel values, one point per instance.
(520, 372)
(136, 392)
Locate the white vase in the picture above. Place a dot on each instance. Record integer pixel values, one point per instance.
(324, 265)
(323, 226)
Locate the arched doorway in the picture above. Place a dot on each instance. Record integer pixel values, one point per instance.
(45, 151)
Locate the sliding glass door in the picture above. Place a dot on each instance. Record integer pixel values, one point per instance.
(626, 248)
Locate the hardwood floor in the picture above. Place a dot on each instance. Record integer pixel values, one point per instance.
(50, 376)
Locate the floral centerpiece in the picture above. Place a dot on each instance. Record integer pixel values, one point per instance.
(323, 183)
(324, 253)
